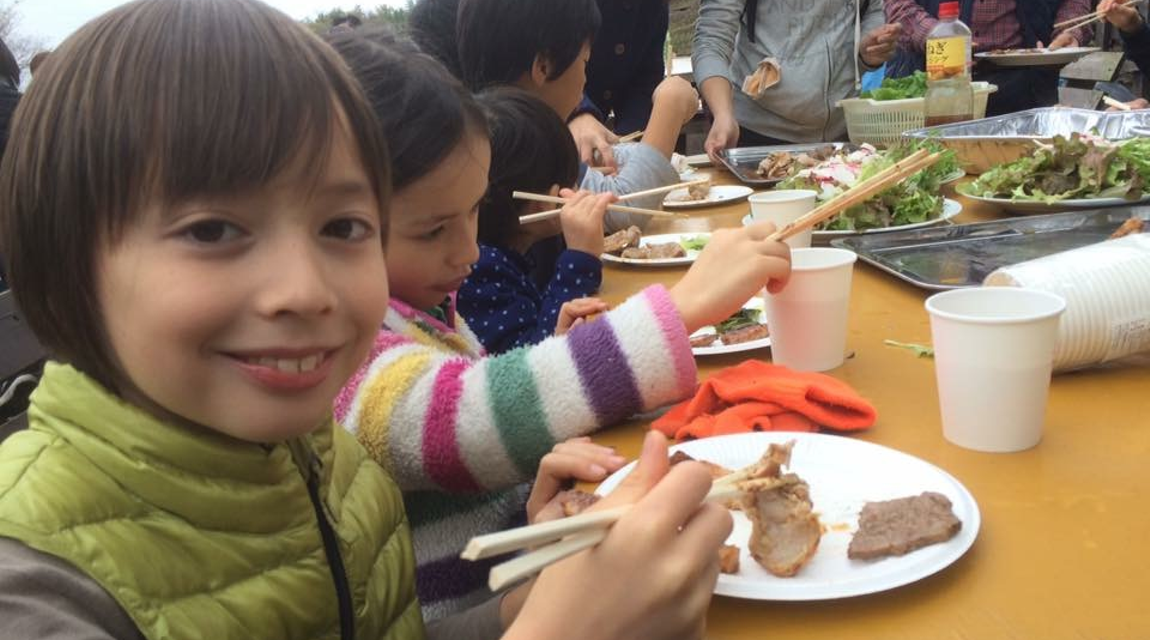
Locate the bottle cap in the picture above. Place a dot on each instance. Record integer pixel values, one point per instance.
(948, 10)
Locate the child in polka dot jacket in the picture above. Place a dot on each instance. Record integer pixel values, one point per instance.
(462, 431)
(531, 150)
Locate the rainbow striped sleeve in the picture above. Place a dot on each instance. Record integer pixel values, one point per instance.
(439, 420)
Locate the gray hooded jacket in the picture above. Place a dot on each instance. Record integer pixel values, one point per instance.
(816, 43)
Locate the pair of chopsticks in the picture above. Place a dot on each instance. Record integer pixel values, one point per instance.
(861, 192)
(1089, 18)
(632, 136)
(547, 215)
(567, 536)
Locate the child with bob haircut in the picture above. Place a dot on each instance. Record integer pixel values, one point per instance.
(531, 150)
(543, 47)
(459, 430)
(224, 276)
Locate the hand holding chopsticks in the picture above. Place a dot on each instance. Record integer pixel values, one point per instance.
(547, 215)
(668, 506)
(1089, 18)
(859, 193)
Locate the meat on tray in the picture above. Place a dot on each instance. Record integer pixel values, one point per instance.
(779, 165)
(899, 526)
(1130, 227)
(620, 240)
(658, 251)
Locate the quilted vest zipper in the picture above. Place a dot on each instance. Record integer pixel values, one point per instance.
(331, 550)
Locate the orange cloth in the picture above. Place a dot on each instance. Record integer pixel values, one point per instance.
(756, 396)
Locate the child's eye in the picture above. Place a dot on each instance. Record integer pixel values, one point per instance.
(212, 232)
(347, 229)
(433, 234)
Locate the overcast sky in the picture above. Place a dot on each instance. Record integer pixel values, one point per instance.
(53, 20)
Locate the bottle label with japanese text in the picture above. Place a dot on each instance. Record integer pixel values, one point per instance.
(945, 57)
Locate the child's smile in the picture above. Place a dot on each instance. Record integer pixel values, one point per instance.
(247, 313)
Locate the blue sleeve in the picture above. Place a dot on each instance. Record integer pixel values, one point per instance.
(1138, 48)
(505, 310)
(586, 106)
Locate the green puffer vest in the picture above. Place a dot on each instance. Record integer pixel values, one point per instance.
(198, 535)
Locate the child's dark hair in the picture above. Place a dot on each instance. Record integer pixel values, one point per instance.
(424, 111)
(432, 28)
(152, 104)
(499, 39)
(9, 68)
(531, 150)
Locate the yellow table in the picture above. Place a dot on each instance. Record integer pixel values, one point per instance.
(1063, 549)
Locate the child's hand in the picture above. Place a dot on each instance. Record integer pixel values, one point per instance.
(735, 265)
(1126, 18)
(574, 459)
(652, 577)
(582, 220)
(677, 94)
(576, 312)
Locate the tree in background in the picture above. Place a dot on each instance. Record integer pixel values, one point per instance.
(22, 45)
(395, 17)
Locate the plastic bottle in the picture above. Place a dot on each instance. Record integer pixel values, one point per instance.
(948, 94)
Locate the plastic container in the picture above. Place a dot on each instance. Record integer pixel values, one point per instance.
(882, 122)
(949, 98)
(1107, 292)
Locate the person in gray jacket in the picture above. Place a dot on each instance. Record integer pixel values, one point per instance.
(809, 54)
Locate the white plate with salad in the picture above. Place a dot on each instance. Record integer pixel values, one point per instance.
(750, 320)
(691, 243)
(950, 209)
(1080, 172)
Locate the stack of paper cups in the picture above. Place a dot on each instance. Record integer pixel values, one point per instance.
(1107, 292)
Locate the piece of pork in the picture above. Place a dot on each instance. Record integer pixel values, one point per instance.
(620, 240)
(785, 532)
(659, 251)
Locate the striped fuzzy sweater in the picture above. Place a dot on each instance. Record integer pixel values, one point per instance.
(462, 432)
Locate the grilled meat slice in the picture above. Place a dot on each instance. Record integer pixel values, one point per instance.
(566, 503)
(1130, 227)
(785, 532)
(703, 340)
(745, 334)
(620, 240)
(656, 251)
(728, 559)
(896, 527)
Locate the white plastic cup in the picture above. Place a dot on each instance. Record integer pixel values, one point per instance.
(808, 319)
(782, 208)
(993, 355)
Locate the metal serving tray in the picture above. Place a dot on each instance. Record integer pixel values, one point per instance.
(744, 162)
(963, 255)
(982, 144)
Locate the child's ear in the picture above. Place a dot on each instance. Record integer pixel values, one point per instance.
(554, 190)
(540, 70)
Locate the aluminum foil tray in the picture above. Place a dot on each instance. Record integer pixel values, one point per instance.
(744, 161)
(982, 144)
(963, 255)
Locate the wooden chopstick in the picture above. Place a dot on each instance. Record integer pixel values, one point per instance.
(877, 183)
(591, 532)
(1086, 19)
(667, 189)
(635, 135)
(536, 217)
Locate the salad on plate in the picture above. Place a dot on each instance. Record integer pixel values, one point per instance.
(914, 200)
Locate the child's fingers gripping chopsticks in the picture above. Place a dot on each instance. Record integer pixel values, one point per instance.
(578, 311)
(575, 459)
(771, 251)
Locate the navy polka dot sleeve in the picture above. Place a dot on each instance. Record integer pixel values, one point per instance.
(506, 310)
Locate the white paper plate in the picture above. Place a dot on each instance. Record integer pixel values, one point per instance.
(719, 349)
(699, 160)
(843, 473)
(1036, 57)
(950, 209)
(659, 262)
(1030, 206)
(719, 194)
